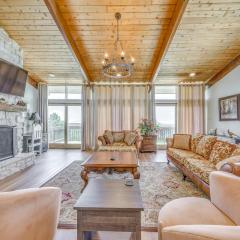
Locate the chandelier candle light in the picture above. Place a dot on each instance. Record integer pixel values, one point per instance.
(117, 66)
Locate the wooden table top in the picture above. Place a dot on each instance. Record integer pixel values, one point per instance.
(110, 195)
(103, 159)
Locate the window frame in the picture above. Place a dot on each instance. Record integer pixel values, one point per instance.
(166, 102)
(65, 102)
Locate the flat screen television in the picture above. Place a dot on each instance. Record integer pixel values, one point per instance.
(12, 79)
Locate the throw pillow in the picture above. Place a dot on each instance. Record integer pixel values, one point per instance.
(220, 151)
(236, 152)
(130, 138)
(195, 141)
(182, 141)
(102, 140)
(205, 146)
(118, 136)
(108, 137)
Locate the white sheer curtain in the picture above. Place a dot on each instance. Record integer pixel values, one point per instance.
(87, 118)
(141, 98)
(191, 108)
(113, 107)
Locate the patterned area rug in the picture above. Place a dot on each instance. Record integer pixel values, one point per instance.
(159, 182)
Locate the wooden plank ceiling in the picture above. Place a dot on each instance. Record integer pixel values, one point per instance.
(143, 27)
(45, 51)
(207, 39)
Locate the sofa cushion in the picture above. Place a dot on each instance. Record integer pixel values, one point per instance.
(108, 137)
(130, 138)
(236, 152)
(120, 147)
(200, 167)
(205, 146)
(182, 141)
(180, 154)
(191, 210)
(195, 141)
(220, 151)
(118, 136)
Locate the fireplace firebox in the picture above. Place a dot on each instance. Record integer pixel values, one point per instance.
(8, 142)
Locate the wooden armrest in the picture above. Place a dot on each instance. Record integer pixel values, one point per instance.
(233, 168)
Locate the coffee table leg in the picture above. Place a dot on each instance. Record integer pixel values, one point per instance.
(138, 226)
(136, 173)
(84, 176)
(80, 235)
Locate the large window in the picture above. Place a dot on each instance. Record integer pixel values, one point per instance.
(64, 116)
(165, 110)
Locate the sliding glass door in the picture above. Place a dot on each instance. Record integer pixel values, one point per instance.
(166, 118)
(64, 116)
(165, 112)
(74, 124)
(56, 124)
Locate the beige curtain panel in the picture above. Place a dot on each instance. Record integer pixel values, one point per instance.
(191, 108)
(112, 107)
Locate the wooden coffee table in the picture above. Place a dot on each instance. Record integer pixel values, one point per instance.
(109, 205)
(100, 161)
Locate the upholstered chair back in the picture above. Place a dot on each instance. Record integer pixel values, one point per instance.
(29, 214)
(225, 194)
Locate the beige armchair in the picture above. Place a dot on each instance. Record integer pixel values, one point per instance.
(30, 214)
(194, 218)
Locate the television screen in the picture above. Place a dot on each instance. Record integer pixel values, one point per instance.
(12, 79)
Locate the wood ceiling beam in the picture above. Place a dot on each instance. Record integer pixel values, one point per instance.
(228, 68)
(174, 23)
(32, 82)
(63, 27)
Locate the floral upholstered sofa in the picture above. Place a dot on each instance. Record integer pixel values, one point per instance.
(123, 141)
(198, 156)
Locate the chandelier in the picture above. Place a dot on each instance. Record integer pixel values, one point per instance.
(117, 65)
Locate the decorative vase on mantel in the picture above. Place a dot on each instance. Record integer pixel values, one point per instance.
(149, 132)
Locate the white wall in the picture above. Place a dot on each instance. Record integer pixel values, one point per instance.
(31, 98)
(228, 86)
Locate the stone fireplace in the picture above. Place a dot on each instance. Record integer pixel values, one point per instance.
(12, 127)
(13, 120)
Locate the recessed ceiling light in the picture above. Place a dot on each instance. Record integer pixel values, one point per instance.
(51, 75)
(193, 74)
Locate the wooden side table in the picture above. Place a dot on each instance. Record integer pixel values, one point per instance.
(149, 144)
(109, 205)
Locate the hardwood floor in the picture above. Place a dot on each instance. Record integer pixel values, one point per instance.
(49, 164)
(63, 234)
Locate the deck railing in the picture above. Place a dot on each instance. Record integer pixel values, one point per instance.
(165, 132)
(56, 134)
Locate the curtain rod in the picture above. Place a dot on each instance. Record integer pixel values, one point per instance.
(118, 84)
(192, 83)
